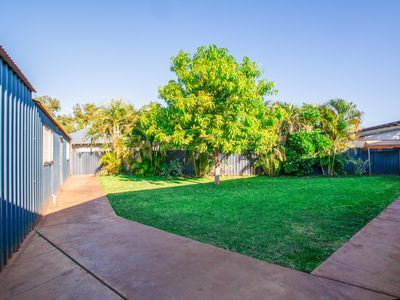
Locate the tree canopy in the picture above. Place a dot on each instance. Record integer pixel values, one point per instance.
(53, 105)
(216, 104)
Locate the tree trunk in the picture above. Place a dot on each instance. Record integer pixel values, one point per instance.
(333, 165)
(217, 166)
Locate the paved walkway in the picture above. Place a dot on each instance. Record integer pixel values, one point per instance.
(84, 251)
(371, 259)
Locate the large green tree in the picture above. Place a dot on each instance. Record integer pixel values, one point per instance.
(216, 105)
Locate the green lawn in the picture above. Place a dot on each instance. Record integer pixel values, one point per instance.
(293, 222)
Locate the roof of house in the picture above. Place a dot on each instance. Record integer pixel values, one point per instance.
(48, 114)
(81, 137)
(10, 62)
(384, 144)
(379, 128)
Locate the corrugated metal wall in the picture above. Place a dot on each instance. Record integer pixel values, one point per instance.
(25, 184)
(383, 161)
(236, 164)
(85, 163)
(231, 165)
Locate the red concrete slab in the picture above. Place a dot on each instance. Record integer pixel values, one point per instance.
(40, 271)
(371, 259)
(98, 207)
(142, 262)
(146, 263)
(392, 212)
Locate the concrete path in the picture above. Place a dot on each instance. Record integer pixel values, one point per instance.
(91, 253)
(371, 259)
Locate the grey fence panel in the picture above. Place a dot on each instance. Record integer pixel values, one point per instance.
(235, 164)
(85, 163)
(231, 165)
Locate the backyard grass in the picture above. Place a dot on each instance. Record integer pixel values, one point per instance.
(293, 222)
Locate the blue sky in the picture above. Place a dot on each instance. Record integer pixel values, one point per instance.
(81, 51)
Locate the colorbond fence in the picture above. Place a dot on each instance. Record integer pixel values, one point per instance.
(231, 165)
(381, 161)
(85, 163)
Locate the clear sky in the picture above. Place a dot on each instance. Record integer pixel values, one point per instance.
(80, 51)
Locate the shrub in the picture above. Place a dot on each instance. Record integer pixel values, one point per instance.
(304, 149)
(173, 169)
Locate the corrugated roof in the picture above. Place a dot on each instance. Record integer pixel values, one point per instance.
(10, 62)
(382, 126)
(80, 137)
(383, 144)
(47, 113)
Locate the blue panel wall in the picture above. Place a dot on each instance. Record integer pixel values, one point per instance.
(26, 185)
(383, 161)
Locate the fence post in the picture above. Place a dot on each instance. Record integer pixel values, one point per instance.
(369, 161)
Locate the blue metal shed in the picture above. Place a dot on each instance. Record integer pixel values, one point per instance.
(26, 182)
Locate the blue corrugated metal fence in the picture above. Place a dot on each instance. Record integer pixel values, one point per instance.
(383, 161)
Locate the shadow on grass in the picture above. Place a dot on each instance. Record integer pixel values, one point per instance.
(157, 179)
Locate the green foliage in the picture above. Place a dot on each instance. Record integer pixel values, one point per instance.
(215, 105)
(113, 123)
(111, 164)
(148, 155)
(67, 122)
(271, 162)
(84, 115)
(143, 166)
(53, 105)
(340, 120)
(202, 163)
(173, 169)
(360, 166)
(303, 149)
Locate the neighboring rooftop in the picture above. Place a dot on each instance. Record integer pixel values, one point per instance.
(380, 128)
(10, 62)
(384, 144)
(81, 137)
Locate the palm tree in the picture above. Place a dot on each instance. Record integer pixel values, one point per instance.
(113, 123)
(340, 120)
